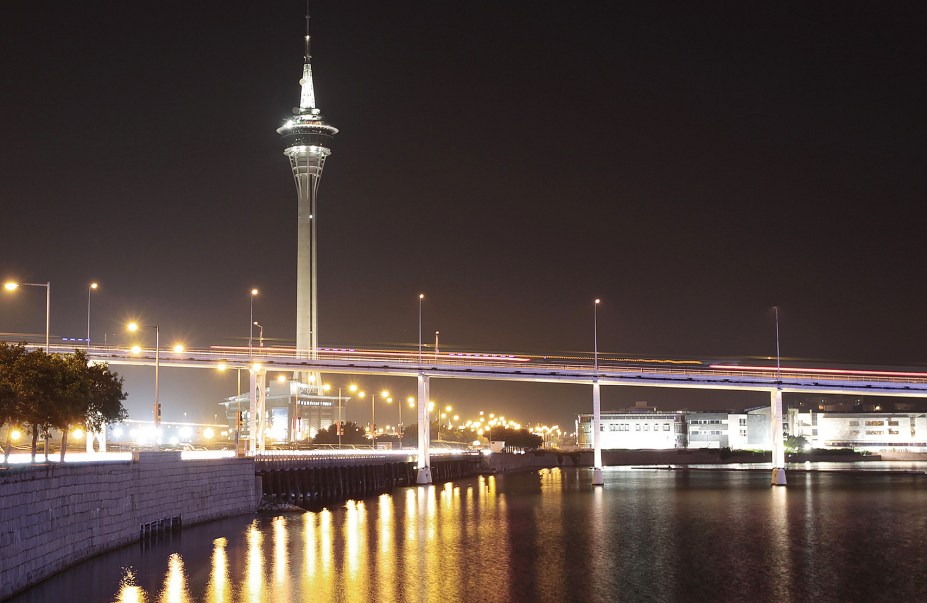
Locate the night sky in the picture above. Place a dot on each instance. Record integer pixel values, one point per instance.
(691, 164)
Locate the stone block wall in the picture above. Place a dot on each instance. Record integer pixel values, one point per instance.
(54, 515)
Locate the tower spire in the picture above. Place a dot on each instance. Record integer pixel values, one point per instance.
(307, 94)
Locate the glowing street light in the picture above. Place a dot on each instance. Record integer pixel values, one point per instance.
(421, 296)
(90, 289)
(12, 286)
(178, 348)
(251, 323)
(132, 326)
(260, 334)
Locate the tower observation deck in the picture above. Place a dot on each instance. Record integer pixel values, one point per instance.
(307, 139)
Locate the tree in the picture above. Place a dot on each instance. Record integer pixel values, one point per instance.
(9, 407)
(351, 434)
(62, 391)
(87, 394)
(795, 443)
(34, 380)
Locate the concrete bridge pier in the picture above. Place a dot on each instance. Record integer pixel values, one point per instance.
(258, 410)
(424, 432)
(597, 479)
(778, 436)
(98, 436)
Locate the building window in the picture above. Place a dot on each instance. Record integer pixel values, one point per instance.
(637, 427)
(893, 423)
(874, 432)
(854, 432)
(646, 426)
(743, 422)
(613, 427)
(875, 423)
(892, 432)
(602, 427)
(854, 423)
(666, 427)
(743, 433)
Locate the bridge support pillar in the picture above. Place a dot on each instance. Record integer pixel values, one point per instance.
(424, 432)
(597, 479)
(99, 436)
(257, 420)
(778, 439)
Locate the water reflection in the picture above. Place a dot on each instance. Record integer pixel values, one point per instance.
(547, 536)
(218, 589)
(175, 582)
(129, 592)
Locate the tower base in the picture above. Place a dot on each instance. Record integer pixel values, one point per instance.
(424, 476)
(778, 477)
(597, 479)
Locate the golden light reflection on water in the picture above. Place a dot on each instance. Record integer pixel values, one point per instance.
(356, 568)
(386, 559)
(310, 546)
(420, 544)
(175, 582)
(218, 589)
(254, 580)
(281, 567)
(129, 592)
(550, 535)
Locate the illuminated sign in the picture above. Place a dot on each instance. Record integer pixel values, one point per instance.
(310, 402)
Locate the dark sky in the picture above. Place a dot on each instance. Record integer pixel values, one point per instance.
(692, 164)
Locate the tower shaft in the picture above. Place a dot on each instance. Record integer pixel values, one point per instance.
(307, 163)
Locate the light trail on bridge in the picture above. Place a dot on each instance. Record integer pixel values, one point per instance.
(537, 369)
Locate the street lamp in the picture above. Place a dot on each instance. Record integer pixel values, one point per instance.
(260, 334)
(421, 296)
(89, 291)
(373, 423)
(12, 286)
(436, 346)
(157, 406)
(597, 477)
(595, 334)
(251, 325)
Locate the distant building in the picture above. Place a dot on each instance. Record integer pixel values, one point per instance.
(294, 412)
(750, 429)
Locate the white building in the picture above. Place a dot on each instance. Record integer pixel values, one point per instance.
(634, 430)
(905, 431)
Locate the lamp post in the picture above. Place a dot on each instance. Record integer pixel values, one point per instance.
(421, 296)
(597, 477)
(260, 334)
(251, 323)
(12, 286)
(595, 336)
(157, 405)
(89, 291)
(436, 347)
(778, 364)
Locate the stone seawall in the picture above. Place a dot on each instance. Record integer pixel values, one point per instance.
(55, 515)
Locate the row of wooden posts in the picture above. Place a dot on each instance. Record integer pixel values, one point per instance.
(306, 484)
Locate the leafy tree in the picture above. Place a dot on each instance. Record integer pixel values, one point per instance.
(351, 434)
(46, 390)
(9, 407)
(795, 443)
(35, 377)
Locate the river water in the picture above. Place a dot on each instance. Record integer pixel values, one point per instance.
(646, 535)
